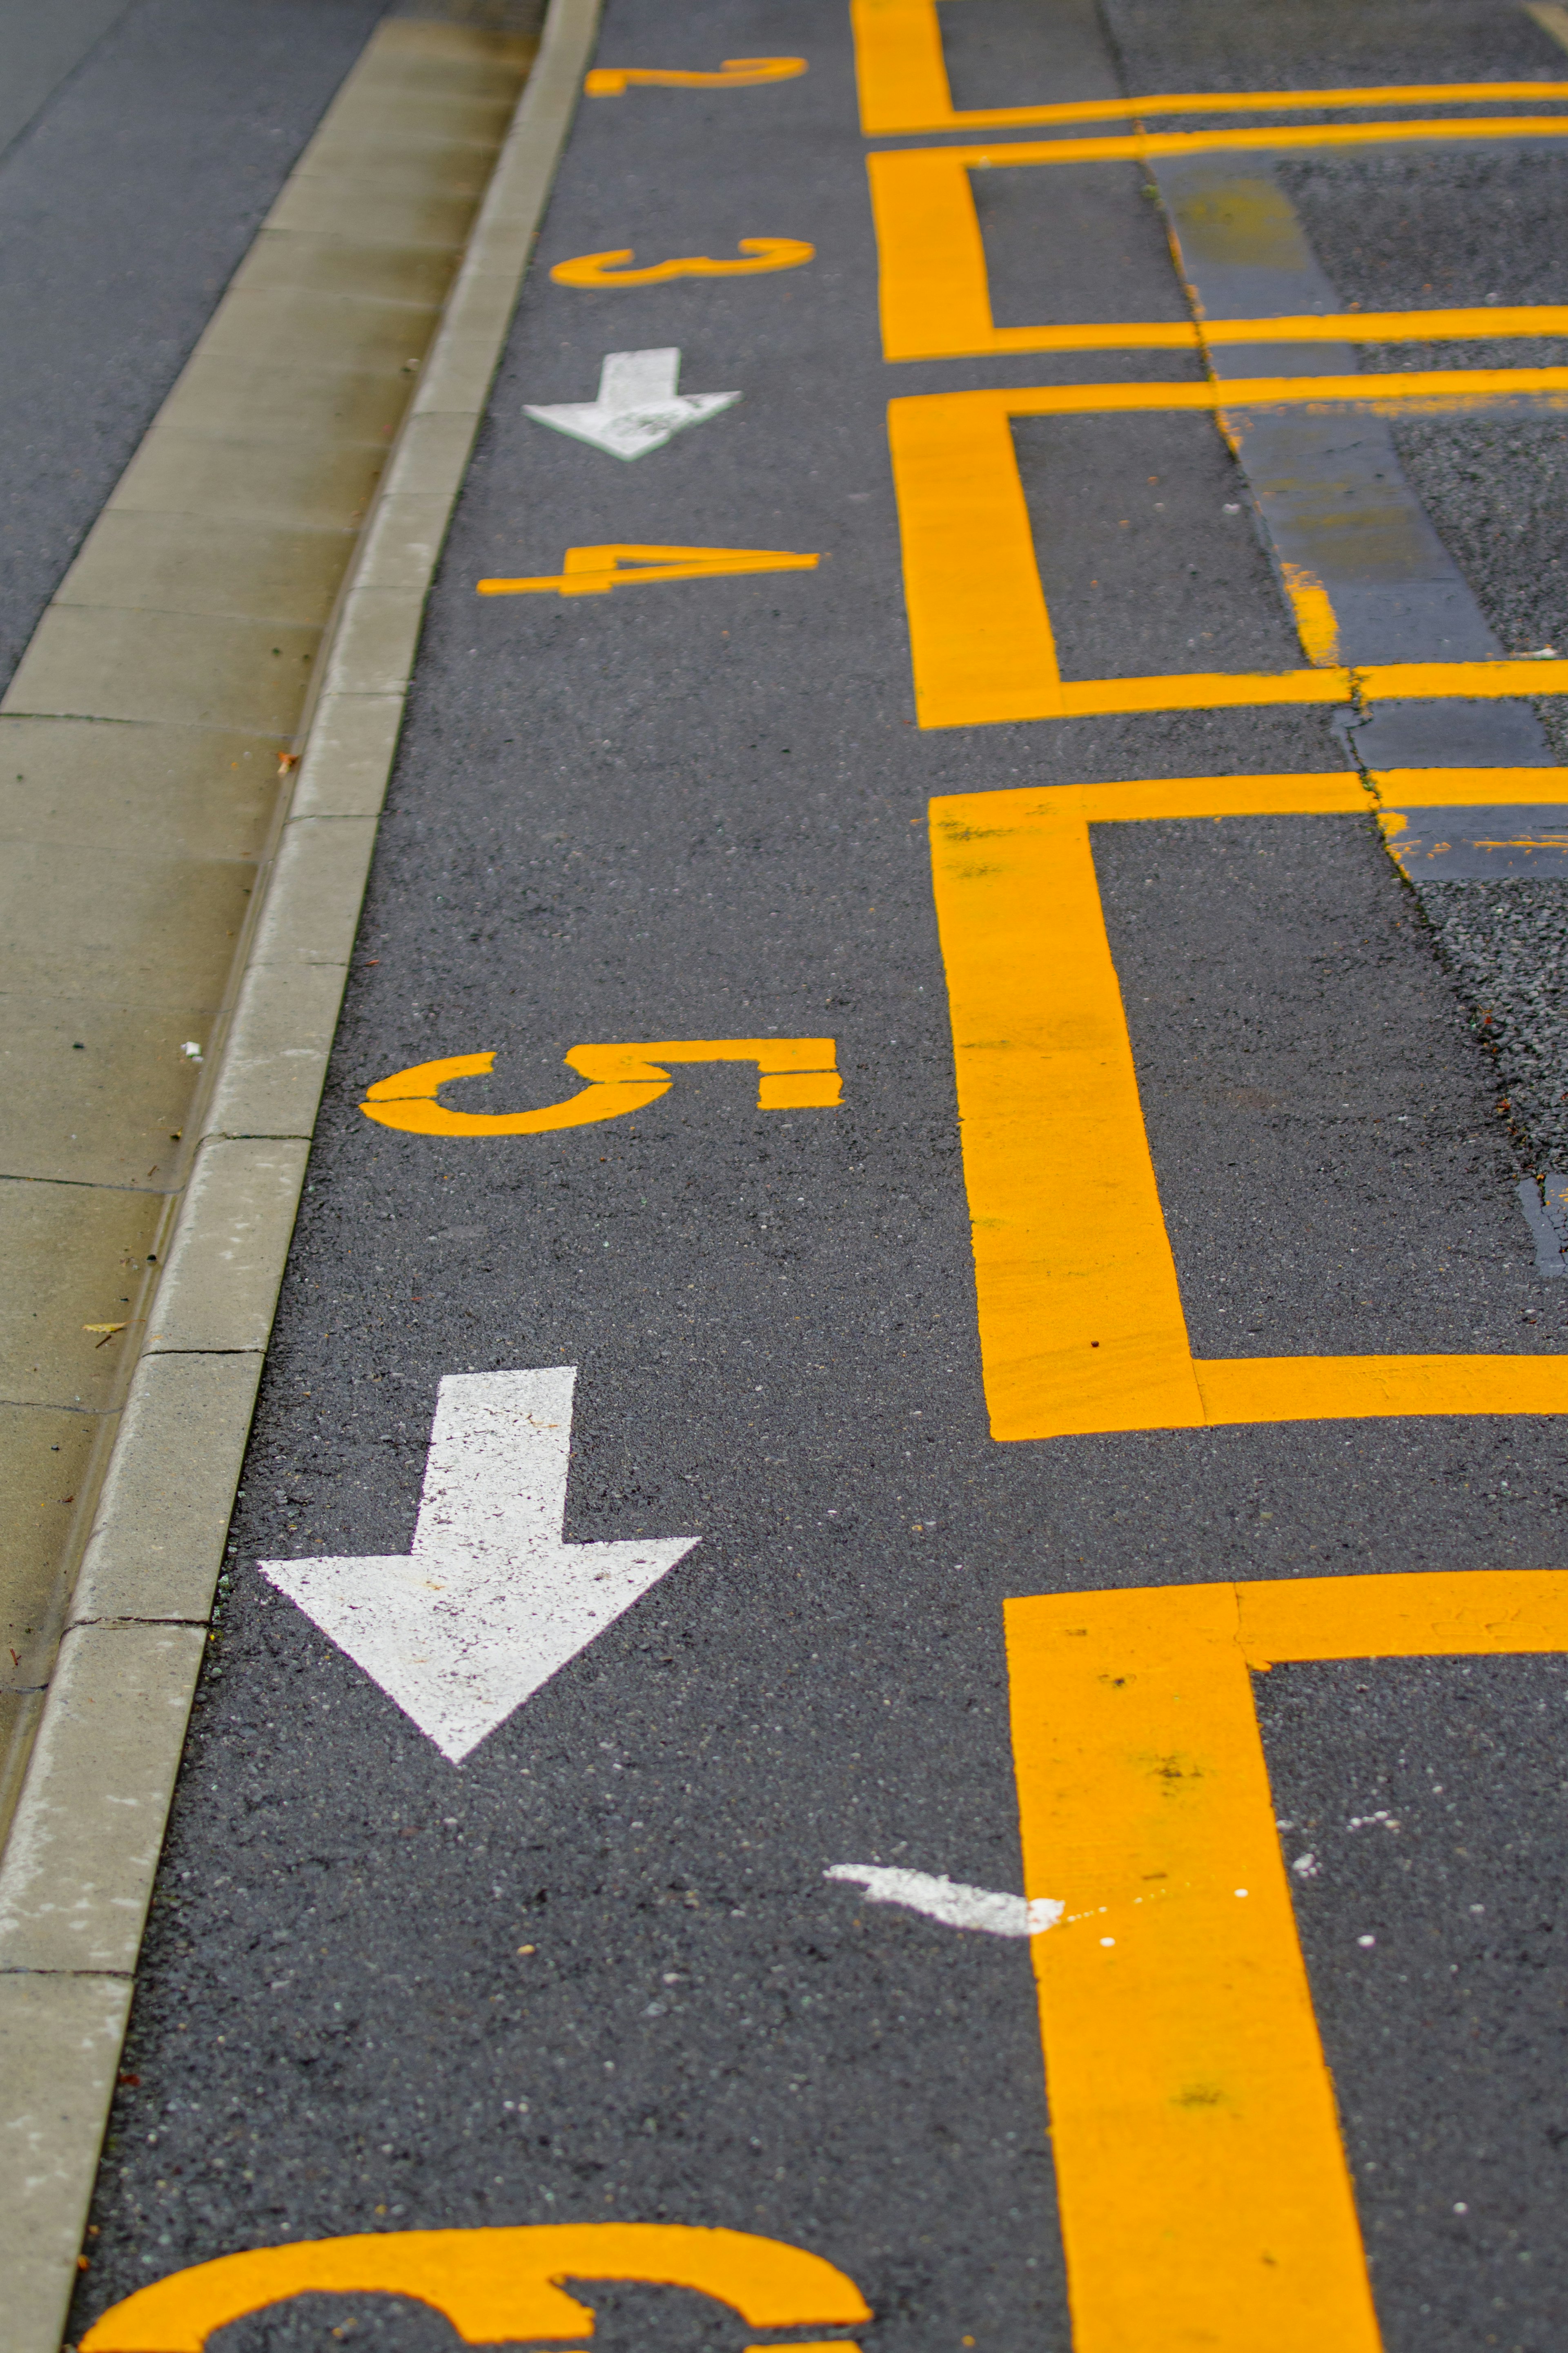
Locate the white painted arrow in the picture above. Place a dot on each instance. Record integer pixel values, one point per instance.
(490, 1603)
(638, 408)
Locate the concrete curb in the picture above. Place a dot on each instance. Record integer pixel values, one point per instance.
(78, 1871)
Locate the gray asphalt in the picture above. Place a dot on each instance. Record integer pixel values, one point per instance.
(700, 812)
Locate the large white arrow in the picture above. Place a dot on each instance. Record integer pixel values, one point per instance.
(638, 408)
(491, 1602)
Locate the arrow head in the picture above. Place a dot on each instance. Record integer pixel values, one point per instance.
(490, 1603)
(460, 1645)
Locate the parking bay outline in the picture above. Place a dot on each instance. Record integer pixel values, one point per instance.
(935, 300)
(1081, 1321)
(981, 643)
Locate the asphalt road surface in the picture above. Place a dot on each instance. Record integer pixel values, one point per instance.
(595, 1967)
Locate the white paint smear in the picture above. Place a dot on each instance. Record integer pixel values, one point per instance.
(951, 1903)
(490, 1603)
(638, 407)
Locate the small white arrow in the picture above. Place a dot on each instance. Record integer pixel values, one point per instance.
(489, 1602)
(638, 408)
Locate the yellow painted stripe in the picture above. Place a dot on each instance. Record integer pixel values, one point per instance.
(1081, 1319)
(1334, 794)
(969, 565)
(1202, 691)
(1261, 138)
(1473, 1613)
(1471, 788)
(1202, 2190)
(904, 86)
(1328, 1388)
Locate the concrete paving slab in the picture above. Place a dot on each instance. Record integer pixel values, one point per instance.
(131, 929)
(96, 1092)
(226, 1261)
(310, 487)
(417, 274)
(157, 1541)
(193, 563)
(60, 2053)
(303, 322)
(275, 1053)
(366, 165)
(344, 770)
(84, 1250)
(186, 670)
(374, 644)
(433, 440)
(171, 791)
(74, 1882)
(311, 913)
(402, 543)
(256, 401)
(424, 97)
(373, 212)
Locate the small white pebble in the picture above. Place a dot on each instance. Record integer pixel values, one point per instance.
(1462, 2208)
(1366, 1940)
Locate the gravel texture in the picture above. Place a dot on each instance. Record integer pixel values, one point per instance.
(1505, 943)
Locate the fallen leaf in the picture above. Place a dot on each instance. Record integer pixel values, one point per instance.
(108, 1330)
(286, 760)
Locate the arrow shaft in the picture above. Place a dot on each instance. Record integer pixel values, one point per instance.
(495, 1479)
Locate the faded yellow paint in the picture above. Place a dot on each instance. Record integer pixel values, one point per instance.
(794, 1073)
(736, 73)
(1081, 1320)
(623, 564)
(1205, 2198)
(493, 2287)
(981, 640)
(767, 253)
(1316, 624)
(935, 297)
(904, 85)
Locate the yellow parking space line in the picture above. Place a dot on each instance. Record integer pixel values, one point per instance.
(1081, 1321)
(1202, 2188)
(1080, 1317)
(934, 290)
(981, 640)
(1471, 788)
(904, 86)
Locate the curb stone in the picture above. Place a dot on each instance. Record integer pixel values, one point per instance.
(77, 1876)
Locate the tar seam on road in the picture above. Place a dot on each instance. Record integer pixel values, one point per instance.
(79, 1867)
